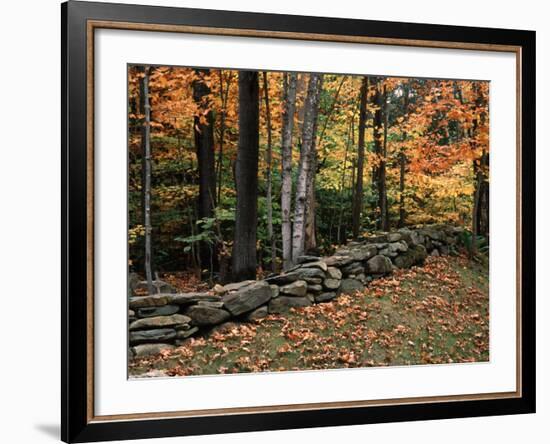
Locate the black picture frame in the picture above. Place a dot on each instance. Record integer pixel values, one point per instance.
(77, 319)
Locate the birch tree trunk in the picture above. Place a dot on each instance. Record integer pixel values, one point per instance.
(310, 114)
(146, 141)
(289, 108)
(268, 179)
(358, 196)
(246, 178)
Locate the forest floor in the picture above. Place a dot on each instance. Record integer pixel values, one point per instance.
(438, 313)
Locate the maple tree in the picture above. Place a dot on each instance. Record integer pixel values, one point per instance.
(302, 163)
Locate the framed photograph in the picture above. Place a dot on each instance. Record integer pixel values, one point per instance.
(276, 221)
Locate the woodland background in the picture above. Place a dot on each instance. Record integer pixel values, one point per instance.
(241, 172)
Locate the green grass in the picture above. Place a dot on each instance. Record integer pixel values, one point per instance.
(438, 313)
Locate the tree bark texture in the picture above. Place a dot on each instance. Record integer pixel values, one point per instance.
(358, 195)
(289, 109)
(204, 146)
(268, 178)
(246, 178)
(146, 142)
(310, 114)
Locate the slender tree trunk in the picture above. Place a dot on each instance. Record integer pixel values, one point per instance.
(382, 192)
(377, 137)
(289, 108)
(310, 242)
(204, 146)
(484, 197)
(146, 141)
(478, 177)
(246, 178)
(349, 142)
(268, 179)
(402, 161)
(480, 211)
(310, 114)
(358, 196)
(224, 97)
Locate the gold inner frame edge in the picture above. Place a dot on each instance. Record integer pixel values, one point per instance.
(98, 24)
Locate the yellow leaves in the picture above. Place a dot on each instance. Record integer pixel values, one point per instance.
(134, 233)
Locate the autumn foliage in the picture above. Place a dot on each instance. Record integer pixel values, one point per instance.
(426, 160)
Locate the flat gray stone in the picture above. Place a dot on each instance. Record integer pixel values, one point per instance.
(213, 304)
(193, 298)
(338, 260)
(331, 284)
(363, 252)
(318, 264)
(156, 300)
(296, 288)
(313, 281)
(415, 255)
(160, 322)
(156, 335)
(204, 316)
(315, 288)
(247, 298)
(274, 290)
(297, 274)
(165, 310)
(183, 334)
(237, 285)
(379, 265)
(353, 268)
(394, 237)
(334, 273)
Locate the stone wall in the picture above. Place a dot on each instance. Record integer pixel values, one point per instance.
(165, 320)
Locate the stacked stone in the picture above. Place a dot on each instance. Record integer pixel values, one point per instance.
(165, 320)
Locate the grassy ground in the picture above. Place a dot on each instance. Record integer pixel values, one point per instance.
(438, 313)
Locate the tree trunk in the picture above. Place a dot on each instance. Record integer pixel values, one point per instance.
(268, 179)
(349, 143)
(289, 108)
(224, 97)
(310, 241)
(146, 143)
(382, 192)
(377, 136)
(402, 161)
(483, 227)
(475, 210)
(358, 196)
(204, 146)
(246, 178)
(310, 114)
